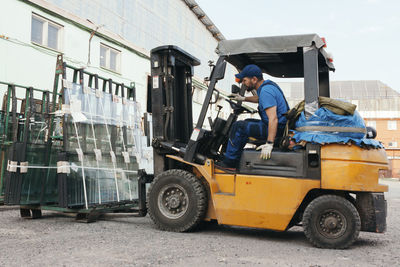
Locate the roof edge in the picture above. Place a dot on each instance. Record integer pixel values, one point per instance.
(202, 17)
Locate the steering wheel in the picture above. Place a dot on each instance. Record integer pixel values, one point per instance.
(239, 108)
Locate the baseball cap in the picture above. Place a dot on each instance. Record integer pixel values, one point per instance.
(249, 71)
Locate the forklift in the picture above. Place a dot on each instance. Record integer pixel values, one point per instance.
(331, 190)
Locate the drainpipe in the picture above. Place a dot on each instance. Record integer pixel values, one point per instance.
(90, 39)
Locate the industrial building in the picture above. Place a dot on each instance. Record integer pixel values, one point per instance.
(111, 38)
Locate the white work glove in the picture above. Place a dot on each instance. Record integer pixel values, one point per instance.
(236, 97)
(266, 150)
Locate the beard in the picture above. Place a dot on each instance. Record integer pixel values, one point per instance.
(251, 87)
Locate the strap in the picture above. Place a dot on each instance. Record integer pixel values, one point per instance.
(331, 129)
(280, 90)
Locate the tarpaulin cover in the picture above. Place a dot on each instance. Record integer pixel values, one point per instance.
(278, 56)
(322, 118)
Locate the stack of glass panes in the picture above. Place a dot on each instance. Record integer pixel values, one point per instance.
(83, 155)
(101, 134)
(24, 143)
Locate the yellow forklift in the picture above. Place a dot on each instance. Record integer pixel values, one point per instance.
(332, 190)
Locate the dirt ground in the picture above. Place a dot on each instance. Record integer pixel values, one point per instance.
(121, 239)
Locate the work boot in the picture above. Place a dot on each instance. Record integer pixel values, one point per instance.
(224, 166)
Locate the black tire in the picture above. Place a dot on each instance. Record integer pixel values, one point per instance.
(331, 221)
(177, 201)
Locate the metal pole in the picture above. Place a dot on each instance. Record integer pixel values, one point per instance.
(311, 80)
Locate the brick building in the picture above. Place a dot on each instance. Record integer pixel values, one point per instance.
(388, 130)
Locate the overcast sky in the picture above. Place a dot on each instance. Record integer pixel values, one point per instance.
(362, 35)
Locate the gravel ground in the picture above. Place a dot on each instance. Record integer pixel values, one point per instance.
(120, 239)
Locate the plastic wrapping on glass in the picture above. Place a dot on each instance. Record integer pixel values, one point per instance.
(136, 135)
(100, 182)
(38, 128)
(102, 169)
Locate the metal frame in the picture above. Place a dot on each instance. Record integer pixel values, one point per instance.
(18, 138)
(316, 79)
(113, 88)
(191, 147)
(171, 94)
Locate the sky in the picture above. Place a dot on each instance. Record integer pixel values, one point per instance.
(362, 35)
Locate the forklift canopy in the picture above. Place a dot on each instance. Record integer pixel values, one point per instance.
(279, 56)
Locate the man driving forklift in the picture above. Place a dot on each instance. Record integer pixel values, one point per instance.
(272, 106)
(332, 190)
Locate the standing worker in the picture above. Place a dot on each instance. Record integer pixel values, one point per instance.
(271, 107)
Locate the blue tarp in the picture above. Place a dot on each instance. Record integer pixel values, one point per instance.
(325, 117)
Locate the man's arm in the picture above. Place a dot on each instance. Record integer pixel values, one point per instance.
(253, 99)
(272, 129)
(272, 123)
(237, 97)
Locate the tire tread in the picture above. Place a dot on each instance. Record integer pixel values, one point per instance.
(307, 219)
(200, 193)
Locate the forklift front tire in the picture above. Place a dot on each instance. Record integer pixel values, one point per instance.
(331, 221)
(177, 201)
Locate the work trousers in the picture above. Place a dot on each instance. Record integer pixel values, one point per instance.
(239, 136)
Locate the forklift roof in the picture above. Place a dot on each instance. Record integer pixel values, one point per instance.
(279, 56)
(176, 51)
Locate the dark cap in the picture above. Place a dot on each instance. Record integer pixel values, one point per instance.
(249, 71)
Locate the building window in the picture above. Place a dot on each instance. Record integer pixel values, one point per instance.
(371, 124)
(47, 33)
(110, 58)
(392, 125)
(393, 144)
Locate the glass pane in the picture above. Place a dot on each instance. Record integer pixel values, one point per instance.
(52, 40)
(103, 55)
(37, 31)
(40, 184)
(106, 172)
(113, 60)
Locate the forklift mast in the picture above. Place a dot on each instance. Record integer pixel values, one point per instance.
(171, 101)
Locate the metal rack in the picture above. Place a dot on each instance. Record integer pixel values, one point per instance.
(74, 149)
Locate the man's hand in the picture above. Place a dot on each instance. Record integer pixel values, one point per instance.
(266, 150)
(237, 97)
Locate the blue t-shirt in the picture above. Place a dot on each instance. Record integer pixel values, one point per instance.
(270, 95)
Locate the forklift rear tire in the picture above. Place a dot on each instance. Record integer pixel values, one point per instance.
(331, 221)
(177, 201)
